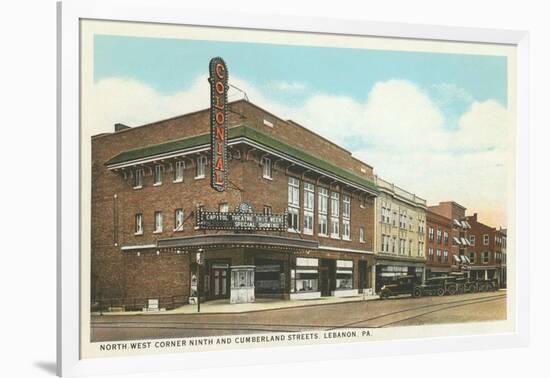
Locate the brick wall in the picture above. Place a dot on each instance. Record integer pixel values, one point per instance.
(115, 203)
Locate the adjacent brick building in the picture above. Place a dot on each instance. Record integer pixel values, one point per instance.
(488, 251)
(447, 238)
(150, 182)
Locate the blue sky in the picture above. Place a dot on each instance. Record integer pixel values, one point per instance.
(170, 65)
(436, 124)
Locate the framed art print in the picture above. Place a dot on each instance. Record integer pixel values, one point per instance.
(285, 189)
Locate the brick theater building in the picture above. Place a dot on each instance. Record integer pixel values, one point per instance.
(488, 251)
(296, 219)
(447, 239)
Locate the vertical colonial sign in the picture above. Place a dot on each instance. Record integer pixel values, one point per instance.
(218, 123)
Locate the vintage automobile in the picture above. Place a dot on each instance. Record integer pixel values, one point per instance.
(402, 285)
(432, 286)
(487, 285)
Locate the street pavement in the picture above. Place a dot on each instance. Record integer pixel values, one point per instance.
(395, 312)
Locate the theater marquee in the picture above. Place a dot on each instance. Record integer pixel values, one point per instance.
(240, 219)
(218, 124)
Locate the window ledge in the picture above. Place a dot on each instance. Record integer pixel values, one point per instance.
(177, 181)
(335, 237)
(138, 233)
(346, 239)
(157, 184)
(157, 232)
(199, 177)
(322, 235)
(293, 231)
(138, 187)
(268, 178)
(178, 229)
(308, 232)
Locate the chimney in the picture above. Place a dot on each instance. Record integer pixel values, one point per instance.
(120, 126)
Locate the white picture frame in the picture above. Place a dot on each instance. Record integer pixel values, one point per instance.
(172, 12)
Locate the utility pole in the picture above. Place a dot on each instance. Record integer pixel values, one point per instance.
(199, 258)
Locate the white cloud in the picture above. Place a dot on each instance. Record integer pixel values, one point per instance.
(288, 86)
(402, 126)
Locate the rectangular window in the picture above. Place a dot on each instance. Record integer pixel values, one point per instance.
(410, 247)
(344, 274)
(158, 221)
(323, 201)
(334, 228)
(439, 236)
(323, 225)
(431, 253)
(293, 219)
(438, 253)
(446, 237)
(309, 196)
(361, 234)
(138, 179)
(485, 257)
(472, 257)
(430, 233)
(472, 239)
(223, 207)
(267, 210)
(392, 244)
(139, 224)
(485, 239)
(346, 210)
(445, 256)
(157, 176)
(178, 220)
(308, 222)
(335, 204)
(266, 168)
(293, 192)
(200, 170)
(178, 171)
(306, 275)
(346, 230)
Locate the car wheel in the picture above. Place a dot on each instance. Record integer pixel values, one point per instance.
(417, 292)
(384, 295)
(451, 290)
(440, 292)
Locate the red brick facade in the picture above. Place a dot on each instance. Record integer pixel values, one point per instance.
(488, 250)
(446, 217)
(129, 265)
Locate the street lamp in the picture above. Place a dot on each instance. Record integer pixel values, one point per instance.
(199, 260)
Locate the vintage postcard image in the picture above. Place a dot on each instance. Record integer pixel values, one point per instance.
(246, 188)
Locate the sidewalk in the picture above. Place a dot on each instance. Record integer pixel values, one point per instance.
(222, 306)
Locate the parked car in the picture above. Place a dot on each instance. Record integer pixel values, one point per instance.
(402, 285)
(432, 286)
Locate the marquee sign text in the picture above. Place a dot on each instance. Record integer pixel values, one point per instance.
(214, 220)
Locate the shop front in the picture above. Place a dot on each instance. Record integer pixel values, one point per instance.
(388, 270)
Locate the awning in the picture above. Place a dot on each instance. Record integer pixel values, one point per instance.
(464, 241)
(457, 241)
(220, 240)
(457, 222)
(457, 259)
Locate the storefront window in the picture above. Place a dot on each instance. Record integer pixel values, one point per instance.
(344, 274)
(306, 275)
(268, 277)
(306, 280)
